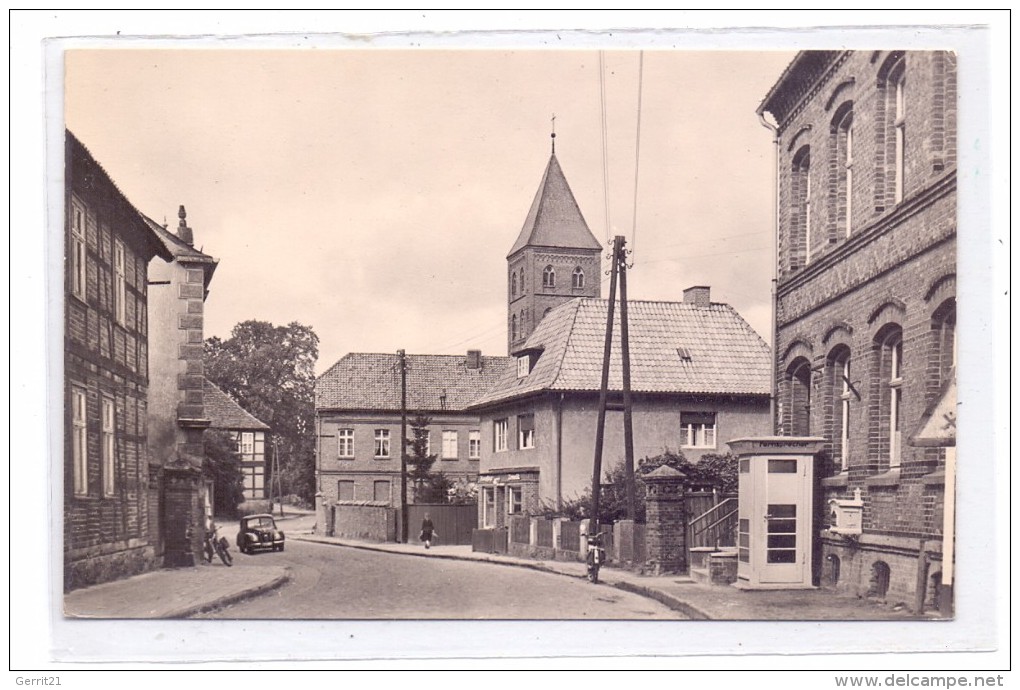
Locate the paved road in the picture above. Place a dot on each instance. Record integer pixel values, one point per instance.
(331, 582)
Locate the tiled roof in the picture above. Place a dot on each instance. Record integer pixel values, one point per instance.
(176, 246)
(225, 413)
(79, 152)
(371, 381)
(555, 219)
(726, 356)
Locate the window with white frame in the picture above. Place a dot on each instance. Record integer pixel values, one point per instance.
(246, 443)
(345, 443)
(77, 249)
(449, 445)
(800, 241)
(382, 443)
(514, 500)
(488, 506)
(499, 433)
(119, 284)
(525, 431)
(577, 278)
(697, 429)
(843, 130)
(894, 352)
(109, 448)
(841, 392)
(523, 366)
(474, 445)
(897, 89)
(844, 415)
(79, 440)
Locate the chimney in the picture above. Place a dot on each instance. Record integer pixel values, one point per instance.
(698, 295)
(183, 231)
(474, 359)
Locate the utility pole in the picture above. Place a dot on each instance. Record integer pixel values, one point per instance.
(403, 446)
(600, 428)
(628, 422)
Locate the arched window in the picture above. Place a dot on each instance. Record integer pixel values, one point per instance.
(513, 327)
(843, 140)
(897, 110)
(892, 130)
(524, 330)
(841, 392)
(577, 279)
(944, 342)
(522, 281)
(890, 378)
(800, 212)
(798, 397)
(513, 285)
(548, 277)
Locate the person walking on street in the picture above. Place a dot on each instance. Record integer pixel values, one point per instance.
(428, 531)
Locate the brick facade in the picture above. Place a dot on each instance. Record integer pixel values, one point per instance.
(870, 277)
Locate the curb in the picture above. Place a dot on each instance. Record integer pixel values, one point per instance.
(661, 597)
(194, 609)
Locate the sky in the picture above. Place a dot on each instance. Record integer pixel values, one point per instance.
(373, 194)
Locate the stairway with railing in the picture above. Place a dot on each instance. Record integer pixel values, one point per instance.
(711, 540)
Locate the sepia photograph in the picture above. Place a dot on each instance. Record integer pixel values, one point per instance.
(653, 333)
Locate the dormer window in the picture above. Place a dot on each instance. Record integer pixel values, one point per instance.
(684, 354)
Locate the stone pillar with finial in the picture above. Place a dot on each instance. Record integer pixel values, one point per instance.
(666, 521)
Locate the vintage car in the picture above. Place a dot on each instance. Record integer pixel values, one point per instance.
(258, 533)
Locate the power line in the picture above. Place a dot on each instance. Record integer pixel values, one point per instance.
(637, 153)
(605, 139)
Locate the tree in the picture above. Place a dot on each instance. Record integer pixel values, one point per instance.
(223, 465)
(429, 486)
(270, 371)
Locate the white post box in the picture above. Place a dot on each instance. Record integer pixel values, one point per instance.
(774, 533)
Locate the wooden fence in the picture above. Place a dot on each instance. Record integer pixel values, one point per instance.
(453, 523)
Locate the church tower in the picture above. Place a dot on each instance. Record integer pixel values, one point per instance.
(555, 258)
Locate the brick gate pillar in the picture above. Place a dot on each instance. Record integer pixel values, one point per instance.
(665, 522)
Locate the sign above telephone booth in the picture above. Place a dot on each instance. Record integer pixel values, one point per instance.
(775, 510)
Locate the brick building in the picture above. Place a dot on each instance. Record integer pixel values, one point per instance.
(106, 376)
(357, 411)
(555, 257)
(177, 416)
(699, 377)
(865, 304)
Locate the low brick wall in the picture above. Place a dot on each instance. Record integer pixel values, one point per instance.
(365, 520)
(722, 568)
(93, 569)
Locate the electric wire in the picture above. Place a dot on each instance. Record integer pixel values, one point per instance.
(605, 141)
(637, 154)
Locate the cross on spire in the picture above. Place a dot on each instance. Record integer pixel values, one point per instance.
(553, 135)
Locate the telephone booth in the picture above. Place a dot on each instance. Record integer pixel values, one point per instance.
(774, 532)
